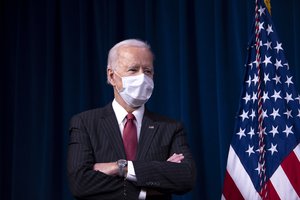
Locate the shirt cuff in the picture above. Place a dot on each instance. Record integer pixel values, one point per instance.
(130, 172)
(142, 195)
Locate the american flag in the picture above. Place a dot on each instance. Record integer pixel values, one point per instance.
(264, 155)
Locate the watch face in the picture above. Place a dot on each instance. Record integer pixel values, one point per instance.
(122, 162)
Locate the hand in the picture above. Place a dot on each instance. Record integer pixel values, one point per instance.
(176, 158)
(107, 168)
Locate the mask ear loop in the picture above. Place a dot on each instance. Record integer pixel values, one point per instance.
(115, 72)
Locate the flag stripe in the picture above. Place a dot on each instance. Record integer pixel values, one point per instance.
(272, 194)
(230, 189)
(297, 152)
(282, 185)
(222, 197)
(240, 176)
(291, 167)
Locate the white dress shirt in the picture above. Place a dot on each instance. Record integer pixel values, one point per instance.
(121, 114)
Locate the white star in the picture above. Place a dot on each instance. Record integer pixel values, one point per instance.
(264, 113)
(268, 44)
(241, 133)
(251, 65)
(249, 81)
(251, 132)
(264, 131)
(250, 150)
(287, 65)
(277, 79)
(252, 115)
(298, 98)
(265, 96)
(275, 113)
(278, 47)
(267, 60)
(254, 97)
(276, 95)
(261, 26)
(261, 10)
(288, 113)
(298, 113)
(257, 63)
(255, 79)
(259, 168)
(288, 130)
(274, 131)
(288, 97)
(269, 29)
(289, 80)
(278, 64)
(273, 148)
(244, 115)
(266, 78)
(247, 97)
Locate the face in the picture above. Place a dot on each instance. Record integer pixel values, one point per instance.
(132, 61)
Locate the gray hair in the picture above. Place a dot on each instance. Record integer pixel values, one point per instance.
(114, 51)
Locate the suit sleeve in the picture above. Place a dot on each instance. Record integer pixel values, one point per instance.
(83, 180)
(168, 177)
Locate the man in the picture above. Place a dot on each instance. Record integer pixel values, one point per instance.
(123, 151)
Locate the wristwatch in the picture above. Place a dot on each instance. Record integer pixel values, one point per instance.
(122, 164)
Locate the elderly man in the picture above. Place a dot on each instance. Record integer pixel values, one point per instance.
(123, 151)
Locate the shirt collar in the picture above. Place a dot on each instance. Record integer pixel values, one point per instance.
(121, 113)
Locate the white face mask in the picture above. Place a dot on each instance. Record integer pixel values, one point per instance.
(136, 90)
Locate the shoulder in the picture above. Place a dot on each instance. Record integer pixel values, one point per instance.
(167, 125)
(156, 117)
(96, 113)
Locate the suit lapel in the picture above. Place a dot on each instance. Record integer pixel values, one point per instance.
(112, 131)
(148, 130)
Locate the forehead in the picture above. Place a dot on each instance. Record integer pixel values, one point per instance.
(131, 55)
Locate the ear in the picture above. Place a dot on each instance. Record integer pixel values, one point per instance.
(110, 76)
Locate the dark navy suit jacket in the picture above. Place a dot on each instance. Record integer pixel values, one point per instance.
(95, 138)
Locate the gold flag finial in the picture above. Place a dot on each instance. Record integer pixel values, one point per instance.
(268, 4)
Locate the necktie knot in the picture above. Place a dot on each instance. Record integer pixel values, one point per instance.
(130, 116)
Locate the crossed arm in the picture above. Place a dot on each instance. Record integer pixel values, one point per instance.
(111, 168)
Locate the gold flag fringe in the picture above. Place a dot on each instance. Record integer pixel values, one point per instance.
(268, 5)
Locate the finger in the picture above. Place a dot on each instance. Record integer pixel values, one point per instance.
(176, 158)
(171, 157)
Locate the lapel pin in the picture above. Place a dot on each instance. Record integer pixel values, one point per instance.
(152, 127)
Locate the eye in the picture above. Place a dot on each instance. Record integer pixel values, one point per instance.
(148, 71)
(132, 69)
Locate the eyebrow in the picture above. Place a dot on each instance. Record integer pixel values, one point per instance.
(138, 66)
(133, 66)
